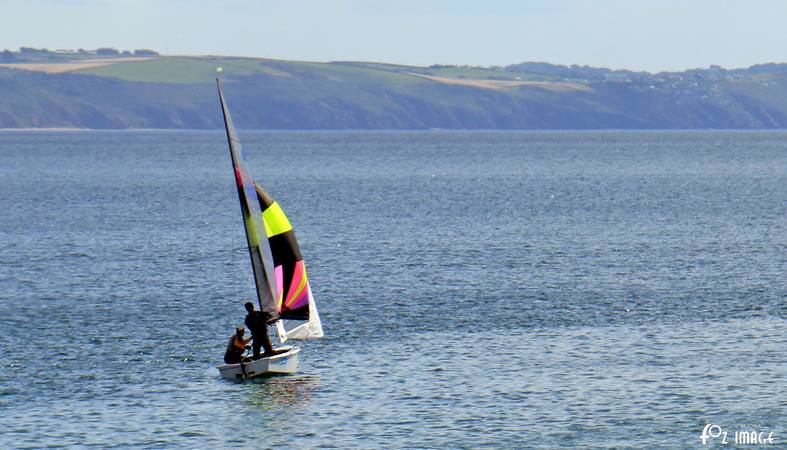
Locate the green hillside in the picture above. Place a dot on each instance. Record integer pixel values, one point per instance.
(175, 70)
(178, 92)
(203, 70)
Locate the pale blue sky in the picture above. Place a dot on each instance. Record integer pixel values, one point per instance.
(634, 34)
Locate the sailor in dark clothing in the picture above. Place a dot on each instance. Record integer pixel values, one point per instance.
(236, 347)
(257, 322)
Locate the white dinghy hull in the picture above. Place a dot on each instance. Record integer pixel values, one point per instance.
(283, 363)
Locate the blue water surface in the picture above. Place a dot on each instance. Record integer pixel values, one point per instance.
(477, 289)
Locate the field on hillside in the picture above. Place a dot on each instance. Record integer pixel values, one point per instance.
(183, 69)
(203, 70)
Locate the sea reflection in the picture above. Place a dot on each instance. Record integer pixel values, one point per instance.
(272, 392)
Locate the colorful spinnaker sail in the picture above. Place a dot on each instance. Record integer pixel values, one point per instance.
(259, 249)
(293, 294)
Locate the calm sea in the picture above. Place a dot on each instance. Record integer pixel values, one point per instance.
(477, 289)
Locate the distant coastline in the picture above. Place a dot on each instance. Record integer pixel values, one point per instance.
(123, 91)
(52, 129)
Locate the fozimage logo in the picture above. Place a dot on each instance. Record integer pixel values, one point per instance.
(743, 434)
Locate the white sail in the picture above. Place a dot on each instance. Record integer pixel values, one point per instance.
(312, 329)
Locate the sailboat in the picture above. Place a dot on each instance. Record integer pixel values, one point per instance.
(281, 282)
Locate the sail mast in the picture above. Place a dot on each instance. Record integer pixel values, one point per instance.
(259, 248)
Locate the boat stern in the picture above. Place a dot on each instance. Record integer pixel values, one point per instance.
(283, 363)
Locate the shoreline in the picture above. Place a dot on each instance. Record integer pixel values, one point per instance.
(395, 130)
(46, 129)
(74, 129)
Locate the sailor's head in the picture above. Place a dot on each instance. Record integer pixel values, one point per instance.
(249, 306)
(239, 330)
